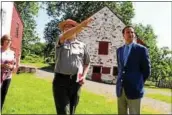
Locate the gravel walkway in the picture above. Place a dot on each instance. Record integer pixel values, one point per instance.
(109, 91)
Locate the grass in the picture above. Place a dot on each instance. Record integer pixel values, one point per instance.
(96, 104)
(29, 94)
(158, 92)
(160, 97)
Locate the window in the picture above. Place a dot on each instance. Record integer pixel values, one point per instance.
(115, 71)
(96, 69)
(106, 70)
(103, 48)
(17, 30)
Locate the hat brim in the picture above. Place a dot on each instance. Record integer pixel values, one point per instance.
(67, 22)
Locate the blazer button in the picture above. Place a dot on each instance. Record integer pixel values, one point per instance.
(123, 71)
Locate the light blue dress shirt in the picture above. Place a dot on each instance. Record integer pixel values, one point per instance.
(127, 50)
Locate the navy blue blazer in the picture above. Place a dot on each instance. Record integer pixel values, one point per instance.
(133, 75)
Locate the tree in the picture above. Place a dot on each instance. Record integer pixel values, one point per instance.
(27, 11)
(160, 66)
(80, 10)
(51, 33)
(165, 63)
(38, 48)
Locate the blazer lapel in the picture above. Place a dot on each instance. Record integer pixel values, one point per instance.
(121, 56)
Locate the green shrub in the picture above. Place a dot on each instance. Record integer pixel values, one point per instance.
(32, 58)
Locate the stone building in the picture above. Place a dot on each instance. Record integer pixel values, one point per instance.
(103, 37)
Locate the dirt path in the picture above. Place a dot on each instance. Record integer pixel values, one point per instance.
(109, 91)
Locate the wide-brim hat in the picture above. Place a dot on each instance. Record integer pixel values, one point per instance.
(69, 22)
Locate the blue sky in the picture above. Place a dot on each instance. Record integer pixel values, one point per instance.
(157, 14)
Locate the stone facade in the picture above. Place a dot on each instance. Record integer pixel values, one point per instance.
(106, 27)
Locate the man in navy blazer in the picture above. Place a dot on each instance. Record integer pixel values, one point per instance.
(133, 70)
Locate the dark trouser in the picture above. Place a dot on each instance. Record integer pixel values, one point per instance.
(66, 93)
(4, 90)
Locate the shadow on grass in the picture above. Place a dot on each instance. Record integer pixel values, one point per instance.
(152, 85)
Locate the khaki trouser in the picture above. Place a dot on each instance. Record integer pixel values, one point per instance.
(124, 104)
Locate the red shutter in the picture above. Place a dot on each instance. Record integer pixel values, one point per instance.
(106, 70)
(103, 48)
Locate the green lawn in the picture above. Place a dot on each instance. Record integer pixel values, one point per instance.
(160, 97)
(29, 94)
(158, 93)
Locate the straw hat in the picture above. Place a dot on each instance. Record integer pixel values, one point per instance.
(68, 21)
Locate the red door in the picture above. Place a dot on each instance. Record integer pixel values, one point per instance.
(96, 76)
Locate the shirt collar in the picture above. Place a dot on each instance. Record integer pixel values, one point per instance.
(71, 42)
(130, 45)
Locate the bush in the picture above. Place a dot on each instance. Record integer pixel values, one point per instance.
(32, 58)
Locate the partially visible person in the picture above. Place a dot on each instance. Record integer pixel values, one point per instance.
(8, 64)
(133, 71)
(71, 66)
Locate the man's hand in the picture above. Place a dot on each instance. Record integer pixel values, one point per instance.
(81, 82)
(83, 76)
